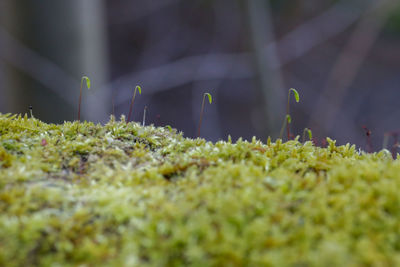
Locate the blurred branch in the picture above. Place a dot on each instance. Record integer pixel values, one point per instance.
(146, 8)
(292, 46)
(186, 70)
(348, 63)
(212, 127)
(261, 32)
(317, 30)
(37, 67)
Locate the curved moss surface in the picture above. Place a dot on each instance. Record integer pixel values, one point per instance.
(126, 195)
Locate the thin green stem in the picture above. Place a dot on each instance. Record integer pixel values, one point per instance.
(80, 94)
(288, 119)
(132, 102)
(112, 103)
(283, 128)
(80, 100)
(202, 111)
(288, 112)
(201, 115)
(144, 115)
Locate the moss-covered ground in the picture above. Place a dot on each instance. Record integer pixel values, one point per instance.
(126, 195)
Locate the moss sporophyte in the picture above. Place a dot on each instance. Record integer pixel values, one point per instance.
(202, 110)
(288, 118)
(84, 78)
(309, 133)
(137, 88)
(121, 194)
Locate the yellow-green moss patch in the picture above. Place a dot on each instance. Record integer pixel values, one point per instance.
(126, 195)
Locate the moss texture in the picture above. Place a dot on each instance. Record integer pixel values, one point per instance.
(126, 195)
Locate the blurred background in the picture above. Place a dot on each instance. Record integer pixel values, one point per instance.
(342, 56)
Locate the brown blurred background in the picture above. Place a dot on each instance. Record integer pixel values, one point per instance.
(342, 56)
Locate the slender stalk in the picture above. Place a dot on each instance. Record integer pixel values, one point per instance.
(285, 121)
(80, 100)
(288, 118)
(202, 111)
(137, 88)
(144, 115)
(307, 131)
(80, 94)
(288, 113)
(369, 143)
(31, 111)
(112, 104)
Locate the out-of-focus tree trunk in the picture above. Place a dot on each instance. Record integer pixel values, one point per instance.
(270, 80)
(69, 35)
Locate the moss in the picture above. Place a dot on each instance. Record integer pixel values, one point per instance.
(126, 195)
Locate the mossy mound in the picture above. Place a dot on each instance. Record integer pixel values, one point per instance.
(126, 195)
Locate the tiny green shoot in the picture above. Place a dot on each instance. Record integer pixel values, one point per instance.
(137, 88)
(84, 78)
(296, 94)
(288, 118)
(202, 110)
(307, 131)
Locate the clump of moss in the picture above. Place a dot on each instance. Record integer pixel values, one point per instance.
(126, 195)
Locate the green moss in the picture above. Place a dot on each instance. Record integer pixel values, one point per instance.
(126, 195)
